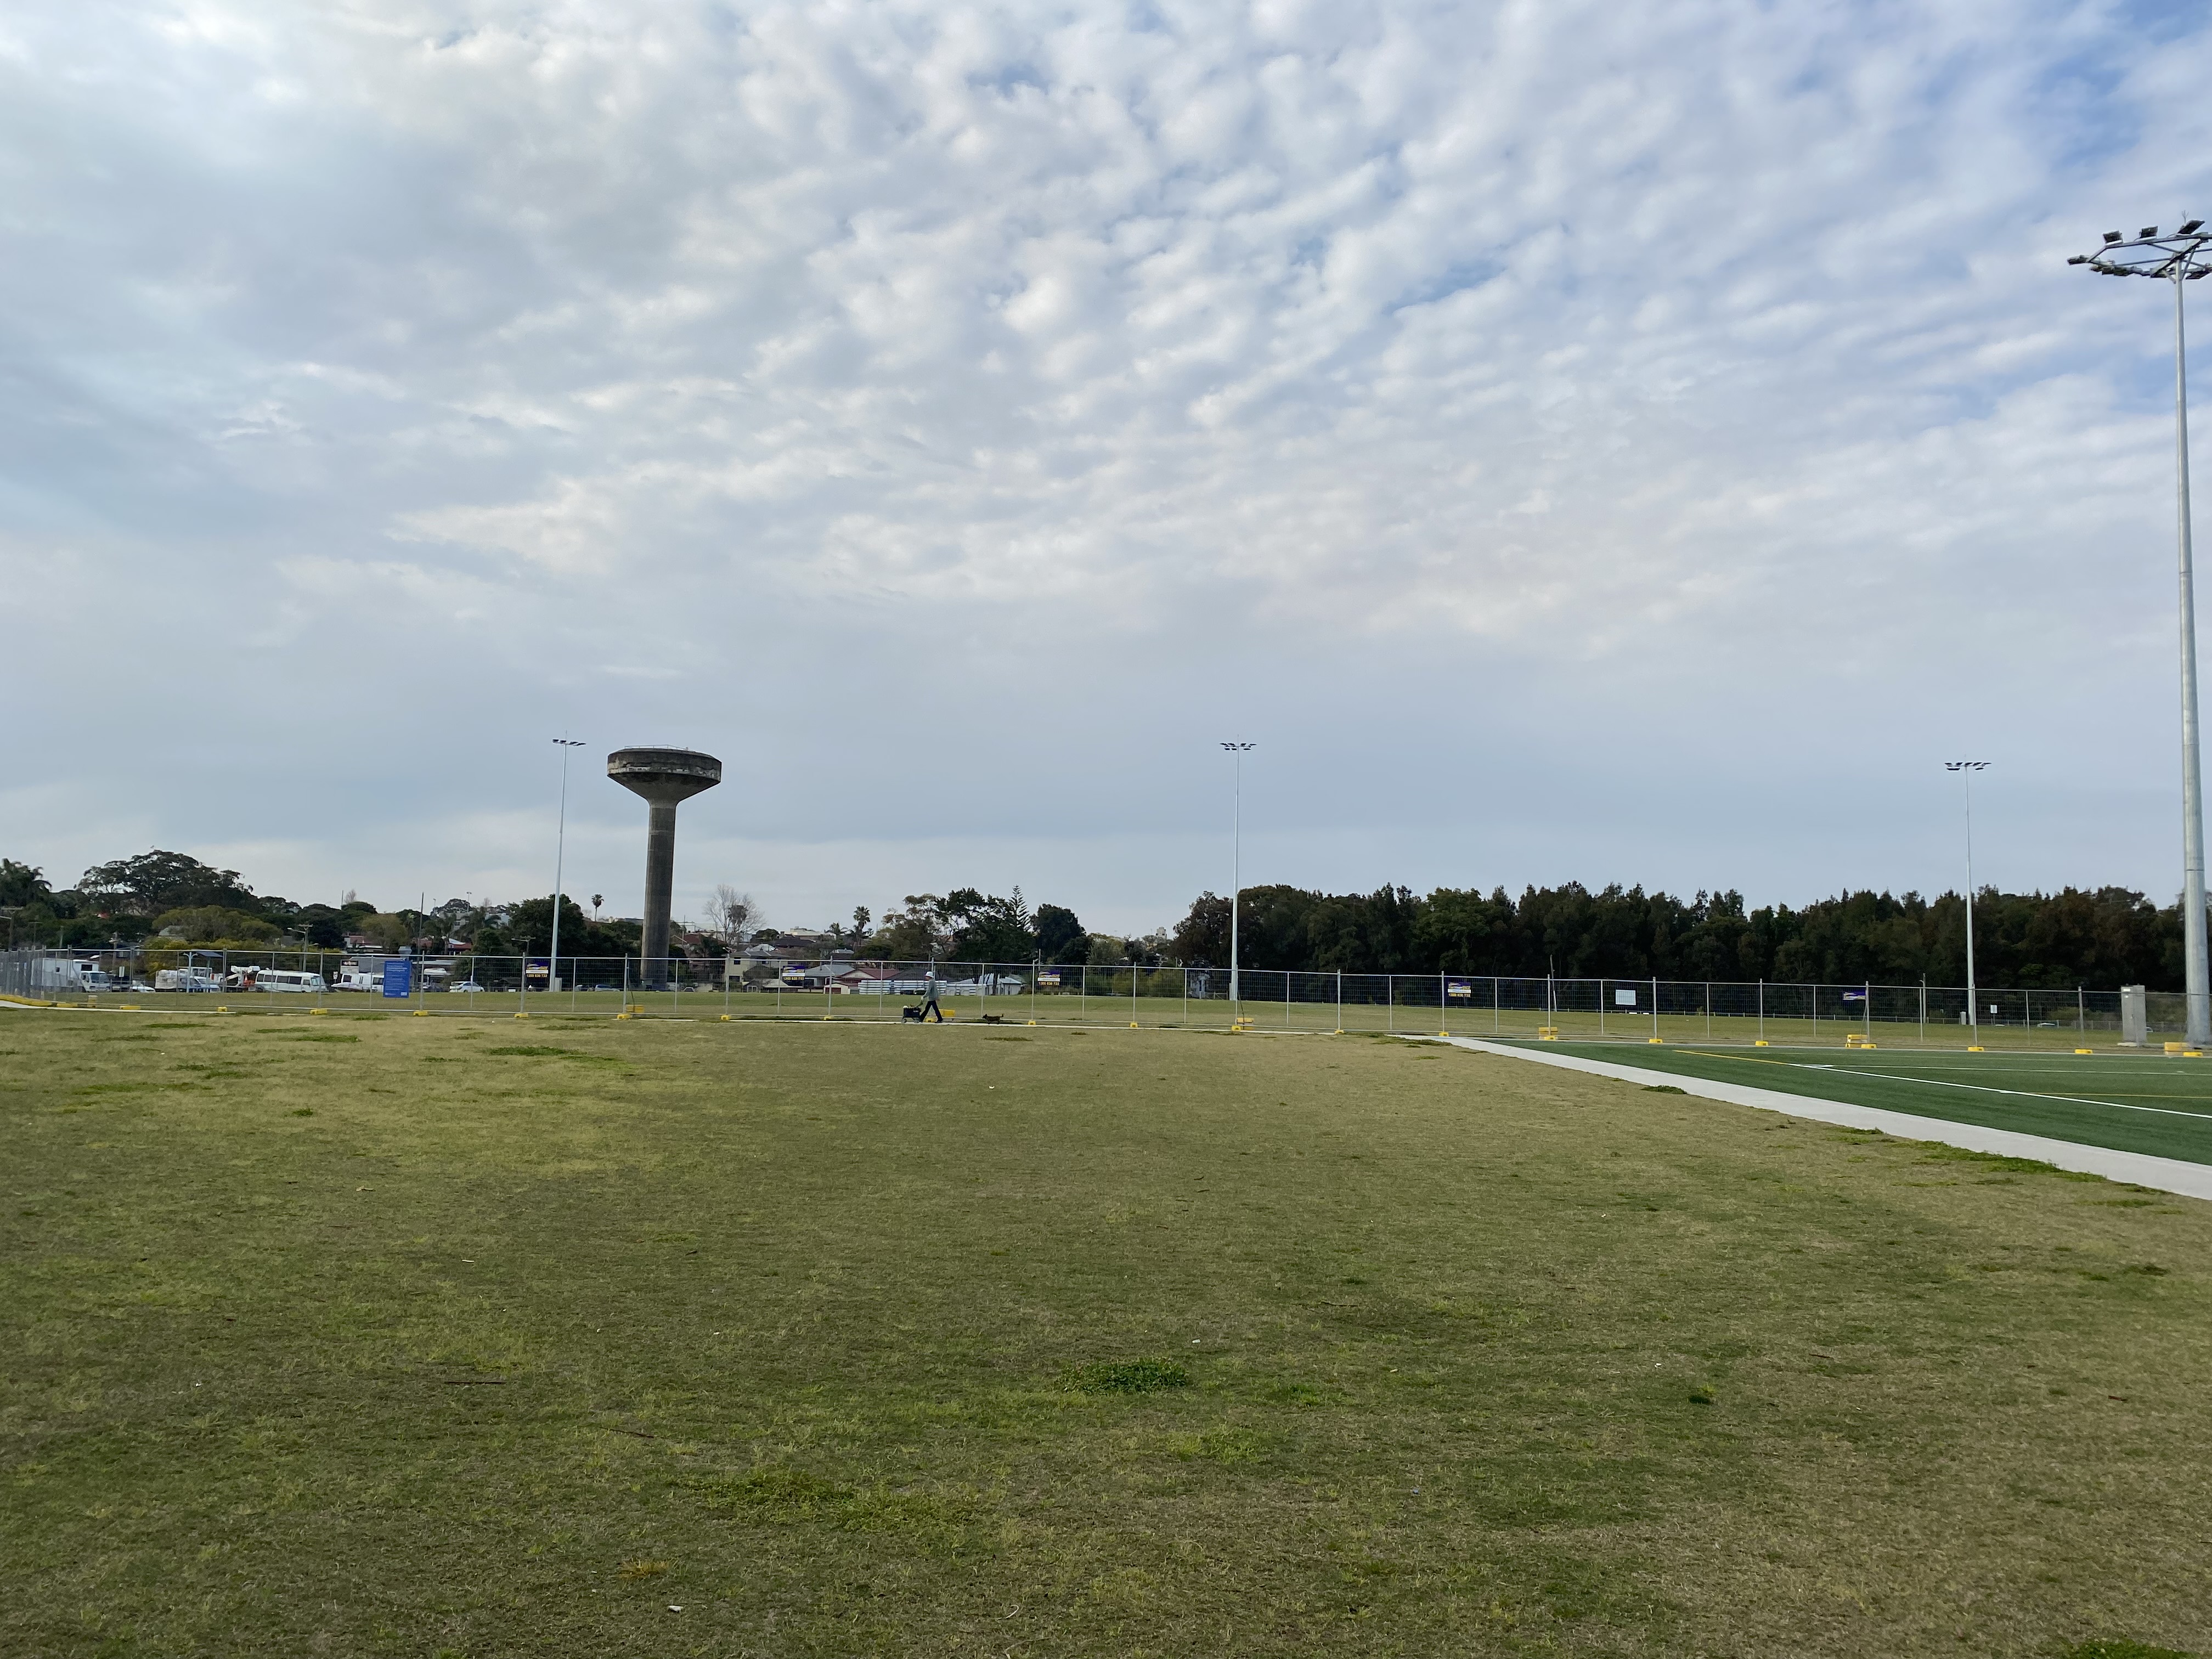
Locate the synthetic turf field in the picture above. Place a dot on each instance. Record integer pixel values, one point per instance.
(437, 1337)
(2134, 1102)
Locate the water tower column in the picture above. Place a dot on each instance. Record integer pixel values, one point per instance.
(666, 777)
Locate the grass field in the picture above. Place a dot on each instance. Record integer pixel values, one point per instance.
(1160, 1004)
(366, 1334)
(2136, 1103)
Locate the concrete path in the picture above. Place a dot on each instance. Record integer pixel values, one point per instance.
(2166, 1174)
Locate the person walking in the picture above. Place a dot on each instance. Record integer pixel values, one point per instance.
(929, 1008)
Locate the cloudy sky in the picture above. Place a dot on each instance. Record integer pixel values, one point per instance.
(1574, 441)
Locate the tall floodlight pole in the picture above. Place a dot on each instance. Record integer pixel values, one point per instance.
(2184, 257)
(1966, 769)
(1236, 873)
(560, 851)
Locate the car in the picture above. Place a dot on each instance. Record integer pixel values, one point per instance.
(465, 985)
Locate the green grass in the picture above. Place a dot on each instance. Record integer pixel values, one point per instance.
(1154, 1008)
(2133, 1102)
(860, 1339)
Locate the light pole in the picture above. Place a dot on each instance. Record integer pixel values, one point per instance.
(560, 852)
(1237, 871)
(1966, 769)
(2184, 257)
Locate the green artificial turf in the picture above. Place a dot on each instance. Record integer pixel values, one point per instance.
(2133, 1102)
(440, 1337)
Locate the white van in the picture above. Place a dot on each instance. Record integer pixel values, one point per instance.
(274, 979)
(187, 979)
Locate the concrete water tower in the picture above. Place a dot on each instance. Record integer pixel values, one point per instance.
(664, 777)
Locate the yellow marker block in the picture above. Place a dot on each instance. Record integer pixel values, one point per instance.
(617, 1016)
(1028, 1022)
(726, 1019)
(219, 1009)
(1657, 1040)
(2192, 1053)
(424, 1013)
(319, 1010)
(2085, 1051)
(1974, 1048)
(1868, 1047)
(1761, 1043)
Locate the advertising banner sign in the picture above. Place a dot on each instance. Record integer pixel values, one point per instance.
(398, 977)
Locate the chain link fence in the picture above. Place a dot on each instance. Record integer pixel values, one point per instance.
(1470, 1005)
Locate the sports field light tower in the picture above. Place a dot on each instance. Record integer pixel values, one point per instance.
(1237, 875)
(1966, 769)
(560, 851)
(666, 777)
(2184, 257)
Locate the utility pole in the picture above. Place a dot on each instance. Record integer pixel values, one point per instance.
(1237, 874)
(1966, 769)
(2184, 257)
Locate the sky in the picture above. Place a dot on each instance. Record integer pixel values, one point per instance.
(1572, 443)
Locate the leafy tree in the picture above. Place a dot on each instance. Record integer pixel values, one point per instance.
(526, 929)
(21, 884)
(914, 934)
(154, 882)
(987, 928)
(204, 924)
(1059, 936)
(1201, 938)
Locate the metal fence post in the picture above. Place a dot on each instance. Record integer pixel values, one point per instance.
(1654, 1005)
(1762, 1010)
(2080, 1013)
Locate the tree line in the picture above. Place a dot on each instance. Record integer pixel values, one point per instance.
(2099, 939)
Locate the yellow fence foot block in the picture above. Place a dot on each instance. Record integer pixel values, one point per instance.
(2085, 1051)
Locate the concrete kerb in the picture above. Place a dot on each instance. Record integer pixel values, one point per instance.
(2166, 1175)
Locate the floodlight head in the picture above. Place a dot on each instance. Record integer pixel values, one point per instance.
(1240, 748)
(2112, 236)
(2191, 229)
(2079, 259)
(2148, 230)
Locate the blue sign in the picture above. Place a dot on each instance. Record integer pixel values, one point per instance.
(398, 979)
(1854, 996)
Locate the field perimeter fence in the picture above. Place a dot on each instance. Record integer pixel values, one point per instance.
(1473, 1005)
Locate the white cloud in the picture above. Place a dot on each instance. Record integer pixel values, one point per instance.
(879, 391)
